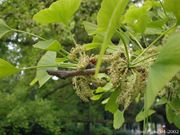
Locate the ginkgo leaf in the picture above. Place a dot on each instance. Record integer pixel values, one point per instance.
(118, 119)
(7, 69)
(175, 104)
(90, 46)
(155, 27)
(60, 11)
(49, 45)
(173, 6)
(47, 62)
(60, 60)
(108, 20)
(90, 28)
(137, 17)
(169, 114)
(172, 116)
(4, 28)
(96, 97)
(177, 121)
(112, 105)
(141, 116)
(106, 88)
(163, 70)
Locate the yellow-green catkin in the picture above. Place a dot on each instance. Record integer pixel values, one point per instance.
(74, 52)
(117, 68)
(81, 85)
(132, 84)
(83, 62)
(127, 90)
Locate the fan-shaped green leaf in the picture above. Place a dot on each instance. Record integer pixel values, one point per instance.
(49, 45)
(118, 119)
(175, 103)
(155, 27)
(96, 97)
(60, 11)
(137, 17)
(177, 121)
(141, 116)
(4, 28)
(173, 6)
(108, 20)
(169, 114)
(165, 67)
(112, 105)
(60, 60)
(47, 62)
(172, 115)
(90, 28)
(7, 69)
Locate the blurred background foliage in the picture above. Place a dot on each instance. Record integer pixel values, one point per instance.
(55, 108)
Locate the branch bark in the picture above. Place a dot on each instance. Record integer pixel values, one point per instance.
(65, 74)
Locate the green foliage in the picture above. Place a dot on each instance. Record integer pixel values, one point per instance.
(44, 116)
(137, 17)
(47, 62)
(102, 131)
(7, 69)
(118, 119)
(169, 114)
(90, 28)
(163, 70)
(59, 12)
(15, 110)
(141, 116)
(49, 45)
(111, 105)
(173, 6)
(4, 28)
(172, 115)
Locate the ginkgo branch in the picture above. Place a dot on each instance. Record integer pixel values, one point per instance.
(65, 74)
